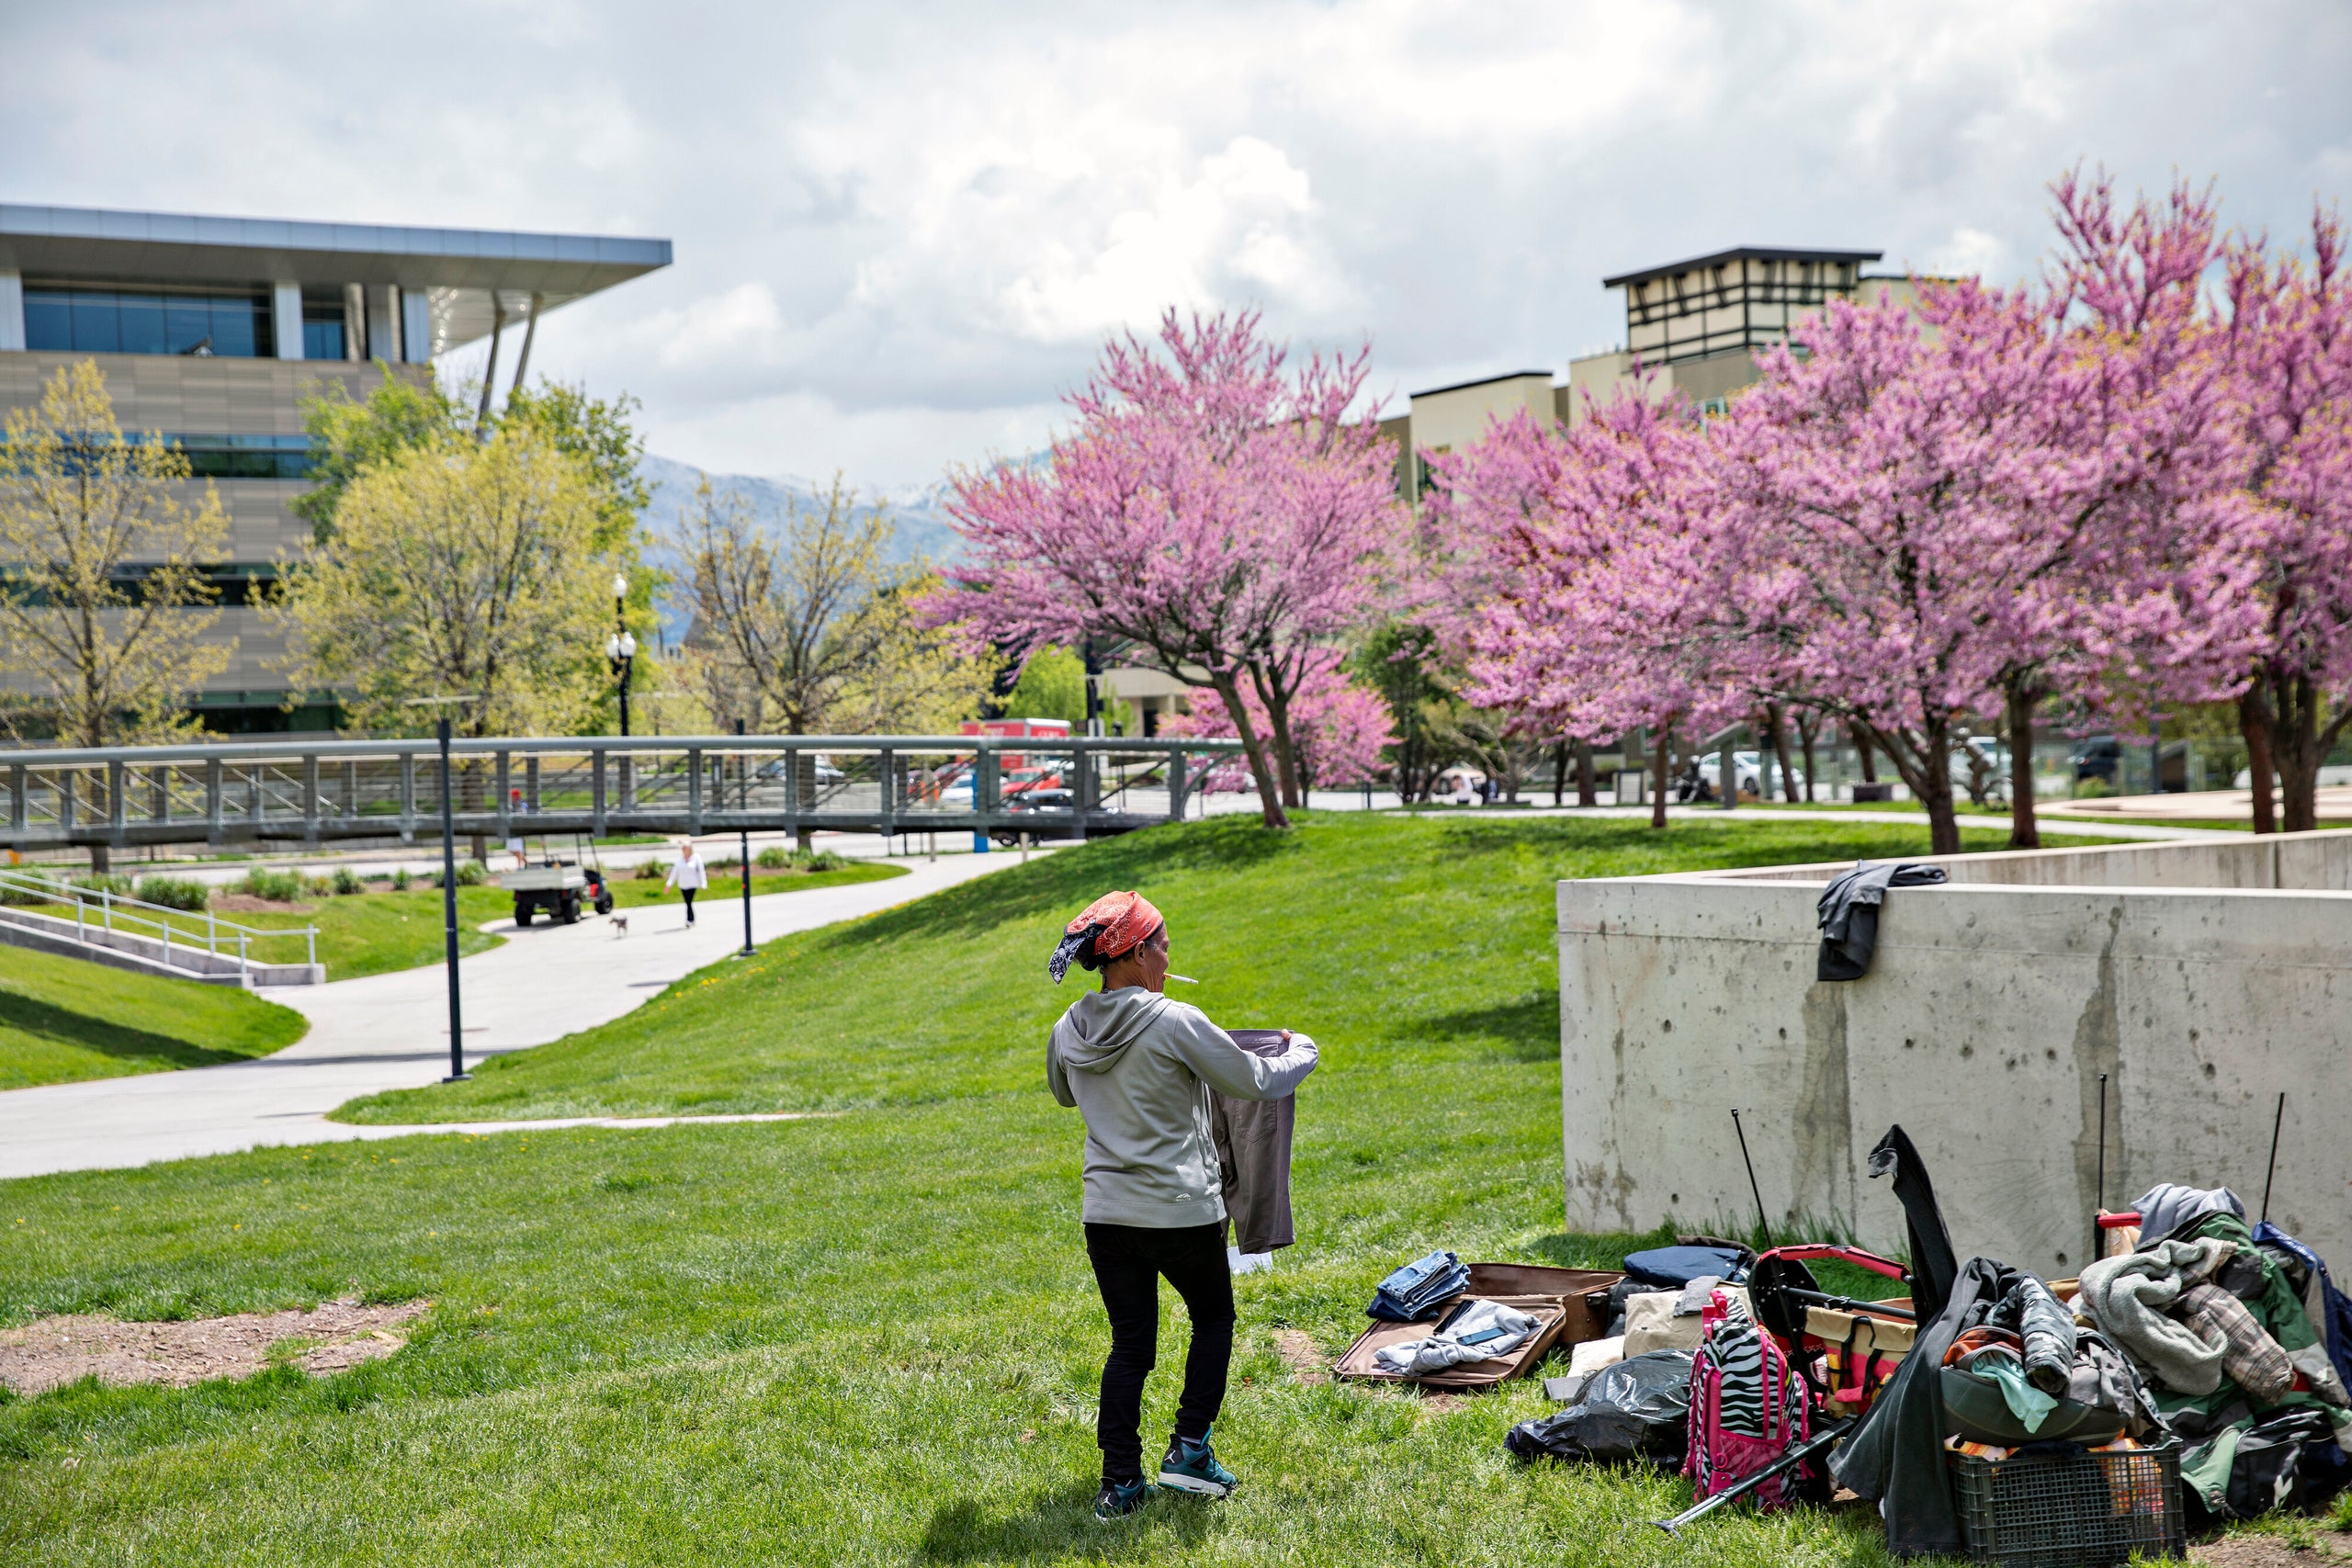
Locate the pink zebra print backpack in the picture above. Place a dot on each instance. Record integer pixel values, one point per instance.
(1748, 1406)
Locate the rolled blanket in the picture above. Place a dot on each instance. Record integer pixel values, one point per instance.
(2128, 1298)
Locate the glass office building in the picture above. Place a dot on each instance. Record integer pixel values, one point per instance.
(213, 331)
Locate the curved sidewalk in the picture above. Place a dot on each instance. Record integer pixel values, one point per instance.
(391, 1031)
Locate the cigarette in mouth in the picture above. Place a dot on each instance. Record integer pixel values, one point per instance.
(1186, 979)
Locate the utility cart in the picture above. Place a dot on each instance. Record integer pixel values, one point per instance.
(560, 886)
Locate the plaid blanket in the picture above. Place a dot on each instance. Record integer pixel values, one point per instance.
(2252, 1359)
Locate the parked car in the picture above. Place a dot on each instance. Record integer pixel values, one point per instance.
(2097, 756)
(1037, 798)
(1459, 783)
(774, 768)
(1748, 767)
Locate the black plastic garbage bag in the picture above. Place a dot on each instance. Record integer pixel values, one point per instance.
(1639, 1408)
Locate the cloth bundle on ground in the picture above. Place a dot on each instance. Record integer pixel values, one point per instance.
(1847, 914)
(2133, 1297)
(1691, 1257)
(2215, 1318)
(1475, 1331)
(1639, 1408)
(1990, 1397)
(1415, 1291)
(1895, 1456)
(1749, 1406)
(2226, 1327)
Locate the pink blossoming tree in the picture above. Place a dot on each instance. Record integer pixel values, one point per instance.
(2288, 344)
(1337, 727)
(1214, 511)
(1581, 567)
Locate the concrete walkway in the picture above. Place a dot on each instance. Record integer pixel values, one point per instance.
(391, 1031)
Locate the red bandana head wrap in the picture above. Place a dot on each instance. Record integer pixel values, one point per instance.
(1111, 925)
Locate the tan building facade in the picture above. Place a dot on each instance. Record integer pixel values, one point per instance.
(1692, 327)
(213, 332)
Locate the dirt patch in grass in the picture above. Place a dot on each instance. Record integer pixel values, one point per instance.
(2273, 1551)
(329, 1337)
(247, 904)
(1299, 1354)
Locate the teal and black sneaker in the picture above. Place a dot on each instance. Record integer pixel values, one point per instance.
(1193, 1467)
(1119, 1498)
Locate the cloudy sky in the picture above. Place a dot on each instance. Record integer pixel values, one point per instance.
(902, 229)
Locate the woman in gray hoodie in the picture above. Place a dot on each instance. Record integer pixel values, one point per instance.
(1139, 1068)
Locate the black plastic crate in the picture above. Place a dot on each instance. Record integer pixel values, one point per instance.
(2077, 1510)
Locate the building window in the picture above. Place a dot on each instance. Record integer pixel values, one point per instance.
(245, 457)
(325, 327)
(232, 323)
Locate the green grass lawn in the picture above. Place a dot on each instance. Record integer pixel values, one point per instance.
(871, 1336)
(62, 1020)
(373, 934)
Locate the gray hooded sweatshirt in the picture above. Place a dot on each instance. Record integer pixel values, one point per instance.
(1139, 1068)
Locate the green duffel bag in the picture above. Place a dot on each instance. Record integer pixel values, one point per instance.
(1977, 1408)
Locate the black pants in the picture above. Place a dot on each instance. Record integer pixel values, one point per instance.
(688, 894)
(1128, 1263)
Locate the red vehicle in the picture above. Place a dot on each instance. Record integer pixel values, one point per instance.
(1018, 730)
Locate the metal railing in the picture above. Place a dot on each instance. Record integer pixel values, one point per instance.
(146, 921)
(309, 792)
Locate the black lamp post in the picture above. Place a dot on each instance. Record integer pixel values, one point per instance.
(743, 778)
(449, 912)
(620, 647)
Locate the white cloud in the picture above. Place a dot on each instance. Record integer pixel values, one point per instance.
(900, 230)
(1970, 252)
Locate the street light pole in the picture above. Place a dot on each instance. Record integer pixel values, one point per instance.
(743, 772)
(620, 647)
(449, 910)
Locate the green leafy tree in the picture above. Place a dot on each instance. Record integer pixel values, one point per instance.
(456, 570)
(105, 599)
(1399, 659)
(804, 626)
(598, 433)
(400, 415)
(1053, 685)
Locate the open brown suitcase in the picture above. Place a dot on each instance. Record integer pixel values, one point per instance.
(1571, 1304)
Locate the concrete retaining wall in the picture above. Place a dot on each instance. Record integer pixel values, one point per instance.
(2202, 979)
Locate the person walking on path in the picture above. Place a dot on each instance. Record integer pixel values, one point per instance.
(689, 876)
(1139, 1067)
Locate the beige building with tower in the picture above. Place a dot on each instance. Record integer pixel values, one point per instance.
(213, 332)
(1692, 327)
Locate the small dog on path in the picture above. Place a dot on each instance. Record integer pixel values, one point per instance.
(620, 924)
